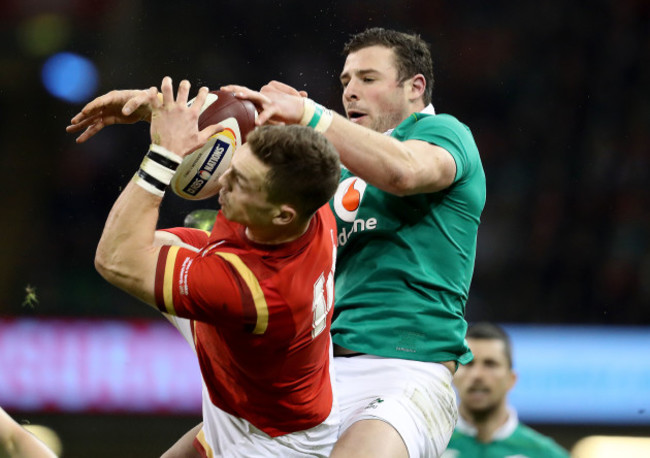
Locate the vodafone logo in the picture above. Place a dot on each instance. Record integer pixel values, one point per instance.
(348, 197)
(347, 201)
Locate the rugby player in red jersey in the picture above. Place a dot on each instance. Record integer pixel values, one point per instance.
(254, 297)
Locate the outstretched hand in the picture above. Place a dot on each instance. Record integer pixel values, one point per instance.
(116, 107)
(276, 103)
(174, 124)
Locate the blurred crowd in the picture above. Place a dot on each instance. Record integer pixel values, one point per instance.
(556, 93)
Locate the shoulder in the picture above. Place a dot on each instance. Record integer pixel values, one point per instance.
(424, 126)
(441, 120)
(325, 215)
(461, 437)
(459, 445)
(538, 441)
(441, 126)
(447, 132)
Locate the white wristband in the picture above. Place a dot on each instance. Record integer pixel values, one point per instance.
(144, 184)
(157, 169)
(166, 153)
(316, 116)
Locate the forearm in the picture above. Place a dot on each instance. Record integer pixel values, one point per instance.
(126, 255)
(379, 159)
(396, 167)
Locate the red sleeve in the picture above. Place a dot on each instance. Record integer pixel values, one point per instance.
(204, 288)
(195, 237)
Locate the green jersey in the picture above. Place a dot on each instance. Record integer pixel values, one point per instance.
(404, 264)
(512, 440)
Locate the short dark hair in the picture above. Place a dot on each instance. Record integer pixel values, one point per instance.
(491, 331)
(304, 166)
(412, 53)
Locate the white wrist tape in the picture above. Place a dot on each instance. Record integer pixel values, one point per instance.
(157, 169)
(316, 116)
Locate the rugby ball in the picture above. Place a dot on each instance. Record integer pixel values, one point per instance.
(197, 177)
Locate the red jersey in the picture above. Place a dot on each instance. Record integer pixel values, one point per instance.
(261, 319)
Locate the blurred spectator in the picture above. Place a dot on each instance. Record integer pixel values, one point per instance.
(487, 425)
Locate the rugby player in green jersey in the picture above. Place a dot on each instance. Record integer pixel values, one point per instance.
(488, 427)
(408, 210)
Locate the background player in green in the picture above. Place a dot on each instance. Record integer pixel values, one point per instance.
(408, 209)
(488, 427)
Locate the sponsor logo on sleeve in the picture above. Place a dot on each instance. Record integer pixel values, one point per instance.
(182, 278)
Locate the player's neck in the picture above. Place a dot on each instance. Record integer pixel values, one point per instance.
(414, 107)
(486, 422)
(418, 106)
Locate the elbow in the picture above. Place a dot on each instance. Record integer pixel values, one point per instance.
(102, 266)
(400, 182)
(409, 181)
(401, 188)
(107, 266)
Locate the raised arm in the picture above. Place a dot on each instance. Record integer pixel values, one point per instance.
(116, 107)
(400, 168)
(127, 252)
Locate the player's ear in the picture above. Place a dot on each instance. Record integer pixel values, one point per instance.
(285, 215)
(512, 379)
(418, 86)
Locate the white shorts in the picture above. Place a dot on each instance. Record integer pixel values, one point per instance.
(224, 435)
(416, 398)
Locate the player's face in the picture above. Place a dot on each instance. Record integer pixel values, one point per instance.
(243, 197)
(483, 383)
(372, 94)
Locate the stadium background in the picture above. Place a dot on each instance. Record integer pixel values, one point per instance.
(556, 93)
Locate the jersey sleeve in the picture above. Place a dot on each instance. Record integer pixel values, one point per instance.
(195, 237)
(452, 135)
(217, 288)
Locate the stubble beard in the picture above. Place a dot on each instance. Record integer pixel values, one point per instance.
(385, 122)
(481, 414)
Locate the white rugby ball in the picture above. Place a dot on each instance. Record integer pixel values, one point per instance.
(197, 177)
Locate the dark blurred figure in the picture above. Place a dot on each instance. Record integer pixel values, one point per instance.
(487, 425)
